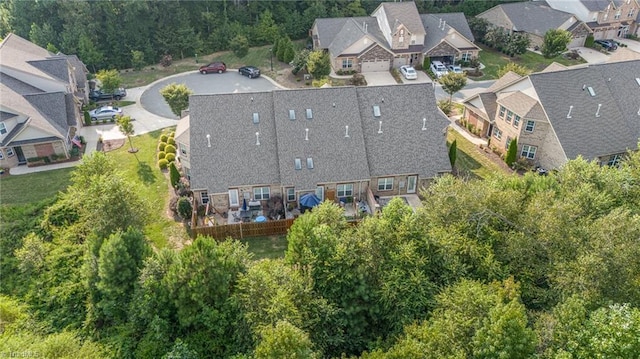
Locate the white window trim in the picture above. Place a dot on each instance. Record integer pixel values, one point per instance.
(3, 128)
(344, 188)
(497, 133)
(10, 152)
(383, 183)
(233, 194)
(526, 126)
(261, 193)
(204, 197)
(320, 193)
(526, 151)
(291, 194)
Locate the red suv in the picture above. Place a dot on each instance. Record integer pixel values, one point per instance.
(218, 67)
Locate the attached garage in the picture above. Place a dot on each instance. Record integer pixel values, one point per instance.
(377, 65)
(576, 42)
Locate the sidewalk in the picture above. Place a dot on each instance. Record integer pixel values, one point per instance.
(473, 139)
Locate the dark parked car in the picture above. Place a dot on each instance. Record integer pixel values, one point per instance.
(218, 67)
(249, 71)
(99, 95)
(608, 45)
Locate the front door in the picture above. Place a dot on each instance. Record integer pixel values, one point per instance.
(20, 154)
(411, 184)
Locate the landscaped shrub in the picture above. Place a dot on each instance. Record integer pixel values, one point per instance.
(320, 82)
(174, 175)
(184, 208)
(163, 138)
(171, 141)
(166, 60)
(172, 134)
(170, 157)
(163, 163)
(87, 118)
(445, 106)
(161, 155)
(358, 80)
(170, 149)
(161, 146)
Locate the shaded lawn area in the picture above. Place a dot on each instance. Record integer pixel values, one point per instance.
(470, 160)
(494, 60)
(271, 247)
(33, 187)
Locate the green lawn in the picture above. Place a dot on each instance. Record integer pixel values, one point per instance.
(267, 247)
(33, 187)
(470, 160)
(493, 60)
(140, 167)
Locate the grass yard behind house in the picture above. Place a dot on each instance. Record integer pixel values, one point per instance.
(33, 187)
(471, 160)
(271, 247)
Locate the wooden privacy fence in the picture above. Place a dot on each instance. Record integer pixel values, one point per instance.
(242, 230)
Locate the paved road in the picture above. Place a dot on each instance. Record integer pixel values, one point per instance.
(228, 82)
(469, 90)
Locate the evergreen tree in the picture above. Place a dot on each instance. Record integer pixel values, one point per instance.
(512, 152)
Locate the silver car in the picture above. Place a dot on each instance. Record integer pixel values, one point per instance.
(105, 113)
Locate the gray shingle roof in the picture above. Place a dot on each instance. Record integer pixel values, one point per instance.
(595, 5)
(458, 21)
(523, 105)
(405, 13)
(403, 147)
(435, 33)
(336, 158)
(57, 67)
(533, 17)
(350, 32)
(233, 159)
(615, 130)
(490, 105)
(327, 29)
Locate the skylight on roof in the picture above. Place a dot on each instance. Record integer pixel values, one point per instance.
(376, 111)
(638, 80)
(298, 164)
(309, 114)
(310, 163)
(591, 91)
(256, 118)
(292, 114)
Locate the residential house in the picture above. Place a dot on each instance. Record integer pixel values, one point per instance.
(394, 35)
(339, 142)
(557, 115)
(41, 95)
(607, 19)
(535, 18)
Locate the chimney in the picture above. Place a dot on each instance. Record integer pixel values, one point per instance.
(380, 127)
(257, 138)
(306, 134)
(346, 131)
(598, 111)
(208, 140)
(569, 114)
(424, 124)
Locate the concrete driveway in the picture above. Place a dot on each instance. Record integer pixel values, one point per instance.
(592, 56)
(228, 82)
(631, 44)
(423, 78)
(379, 78)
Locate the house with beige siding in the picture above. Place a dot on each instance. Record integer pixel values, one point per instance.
(394, 35)
(41, 95)
(535, 18)
(562, 113)
(607, 19)
(341, 143)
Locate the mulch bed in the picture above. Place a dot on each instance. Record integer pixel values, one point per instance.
(110, 145)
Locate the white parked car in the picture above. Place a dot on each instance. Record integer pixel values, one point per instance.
(455, 69)
(408, 72)
(105, 113)
(438, 69)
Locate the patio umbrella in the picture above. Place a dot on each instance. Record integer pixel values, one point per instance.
(244, 204)
(309, 200)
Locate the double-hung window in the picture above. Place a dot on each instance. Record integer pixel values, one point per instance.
(516, 121)
(530, 126)
(347, 63)
(502, 111)
(528, 151)
(261, 193)
(509, 116)
(497, 133)
(204, 197)
(3, 128)
(291, 194)
(385, 184)
(345, 190)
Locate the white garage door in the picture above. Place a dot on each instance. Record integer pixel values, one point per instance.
(577, 42)
(375, 66)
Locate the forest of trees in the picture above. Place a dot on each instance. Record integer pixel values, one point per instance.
(509, 267)
(125, 34)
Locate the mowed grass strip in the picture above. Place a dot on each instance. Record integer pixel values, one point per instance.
(470, 160)
(271, 247)
(33, 187)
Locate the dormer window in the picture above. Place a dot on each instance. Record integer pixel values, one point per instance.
(3, 128)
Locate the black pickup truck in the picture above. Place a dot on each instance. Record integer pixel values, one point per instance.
(99, 95)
